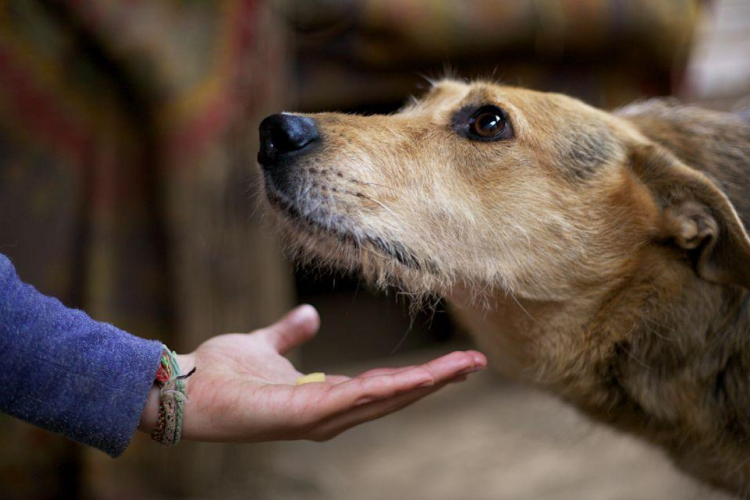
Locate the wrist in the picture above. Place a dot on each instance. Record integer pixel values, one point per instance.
(150, 411)
(150, 414)
(186, 363)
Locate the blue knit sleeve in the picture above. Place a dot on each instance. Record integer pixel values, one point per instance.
(64, 372)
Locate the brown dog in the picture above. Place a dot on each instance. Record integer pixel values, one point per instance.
(602, 256)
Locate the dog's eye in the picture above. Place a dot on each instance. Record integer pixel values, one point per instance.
(484, 123)
(487, 123)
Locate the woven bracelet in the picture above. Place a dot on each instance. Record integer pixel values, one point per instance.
(172, 397)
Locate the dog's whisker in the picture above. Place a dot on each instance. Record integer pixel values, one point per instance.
(381, 205)
(431, 81)
(372, 184)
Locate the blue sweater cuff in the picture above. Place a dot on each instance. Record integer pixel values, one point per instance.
(64, 372)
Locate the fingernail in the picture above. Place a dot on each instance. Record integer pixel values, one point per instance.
(305, 316)
(473, 369)
(301, 312)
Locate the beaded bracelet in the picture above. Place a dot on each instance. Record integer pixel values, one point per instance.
(172, 397)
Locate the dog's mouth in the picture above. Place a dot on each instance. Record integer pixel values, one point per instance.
(320, 221)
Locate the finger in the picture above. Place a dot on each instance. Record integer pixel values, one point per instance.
(361, 390)
(455, 363)
(339, 379)
(372, 411)
(297, 326)
(378, 409)
(444, 367)
(479, 358)
(480, 361)
(376, 372)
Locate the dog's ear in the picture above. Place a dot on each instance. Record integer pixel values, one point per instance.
(695, 215)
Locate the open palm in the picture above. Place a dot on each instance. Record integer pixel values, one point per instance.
(245, 390)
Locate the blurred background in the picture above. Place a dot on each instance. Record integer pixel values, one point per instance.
(128, 188)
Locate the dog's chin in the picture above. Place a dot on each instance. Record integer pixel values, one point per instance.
(316, 235)
(316, 223)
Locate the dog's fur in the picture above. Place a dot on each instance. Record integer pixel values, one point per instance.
(599, 255)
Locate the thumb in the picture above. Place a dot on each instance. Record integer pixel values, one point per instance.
(297, 326)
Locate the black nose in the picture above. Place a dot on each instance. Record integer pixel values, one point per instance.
(282, 134)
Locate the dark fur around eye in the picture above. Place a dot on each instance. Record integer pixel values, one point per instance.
(486, 123)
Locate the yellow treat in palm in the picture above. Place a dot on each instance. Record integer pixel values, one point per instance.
(312, 377)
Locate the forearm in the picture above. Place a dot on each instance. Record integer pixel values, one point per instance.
(64, 372)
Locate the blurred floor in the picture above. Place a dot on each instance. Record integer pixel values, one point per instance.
(487, 438)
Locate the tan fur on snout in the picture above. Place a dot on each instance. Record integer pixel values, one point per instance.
(602, 256)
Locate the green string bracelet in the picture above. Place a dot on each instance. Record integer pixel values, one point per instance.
(172, 397)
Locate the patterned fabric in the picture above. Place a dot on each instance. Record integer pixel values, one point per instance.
(128, 189)
(605, 51)
(431, 29)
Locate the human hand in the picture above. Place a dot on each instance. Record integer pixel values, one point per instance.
(245, 390)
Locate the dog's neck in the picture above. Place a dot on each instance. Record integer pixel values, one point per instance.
(637, 330)
(665, 362)
(525, 338)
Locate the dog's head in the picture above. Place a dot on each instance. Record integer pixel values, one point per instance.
(483, 185)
